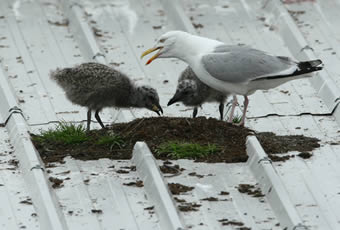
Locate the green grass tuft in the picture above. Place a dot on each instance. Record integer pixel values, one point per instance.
(64, 132)
(179, 150)
(237, 119)
(112, 140)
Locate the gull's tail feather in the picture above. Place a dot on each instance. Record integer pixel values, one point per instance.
(303, 68)
(309, 66)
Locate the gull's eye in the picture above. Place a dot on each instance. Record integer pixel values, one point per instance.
(162, 40)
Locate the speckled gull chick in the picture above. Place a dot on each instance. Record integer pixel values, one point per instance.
(192, 92)
(238, 70)
(97, 86)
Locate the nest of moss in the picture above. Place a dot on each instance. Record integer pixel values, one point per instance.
(202, 139)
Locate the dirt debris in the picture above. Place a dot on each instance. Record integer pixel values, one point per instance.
(251, 190)
(224, 193)
(210, 199)
(197, 25)
(179, 200)
(14, 163)
(305, 155)
(28, 201)
(275, 145)
(230, 222)
(64, 22)
(176, 188)
(138, 183)
(97, 211)
(189, 207)
(122, 171)
(195, 174)
(63, 173)
(97, 32)
(56, 182)
(169, 169)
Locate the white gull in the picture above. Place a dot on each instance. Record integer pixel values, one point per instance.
(237, 70)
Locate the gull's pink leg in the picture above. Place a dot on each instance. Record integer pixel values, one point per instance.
(245, 106)
(232, 109)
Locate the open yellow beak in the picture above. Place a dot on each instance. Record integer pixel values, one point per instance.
(150, 51)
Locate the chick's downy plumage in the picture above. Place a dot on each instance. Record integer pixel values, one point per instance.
(193, 92)
(97, 86)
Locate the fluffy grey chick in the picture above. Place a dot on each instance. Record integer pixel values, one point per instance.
(97, 86)
(192, 92)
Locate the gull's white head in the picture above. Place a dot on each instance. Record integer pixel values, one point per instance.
(168, 45)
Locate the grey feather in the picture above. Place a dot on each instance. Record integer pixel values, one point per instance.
(241, 64)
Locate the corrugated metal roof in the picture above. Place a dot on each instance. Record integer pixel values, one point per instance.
(41, 35)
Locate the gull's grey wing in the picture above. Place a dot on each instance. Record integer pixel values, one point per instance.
(238, 64)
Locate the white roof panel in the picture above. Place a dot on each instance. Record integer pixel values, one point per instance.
(39, 36)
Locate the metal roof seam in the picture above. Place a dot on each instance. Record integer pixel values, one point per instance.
(42, 196)
(50, 216)
(270, 182)
(155, 187)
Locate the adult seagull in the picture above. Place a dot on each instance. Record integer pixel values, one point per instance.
(237, 70)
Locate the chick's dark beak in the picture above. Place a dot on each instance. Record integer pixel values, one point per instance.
(175, 98)
(157, 109)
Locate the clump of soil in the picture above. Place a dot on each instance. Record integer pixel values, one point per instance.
(27, 201)
(305, 155)
(189, 207)
(277, 157)
(179, 200)
(169, 169)
(56, 183)
(122, 171)
(13, 162)
(210, 199)
(230, 140)
(224, 193)
(176, 188)
(138, 183)
(98, 211)
(149, 208)
(273, 145)
(231, 222)
(196, 175)
(250, 190)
